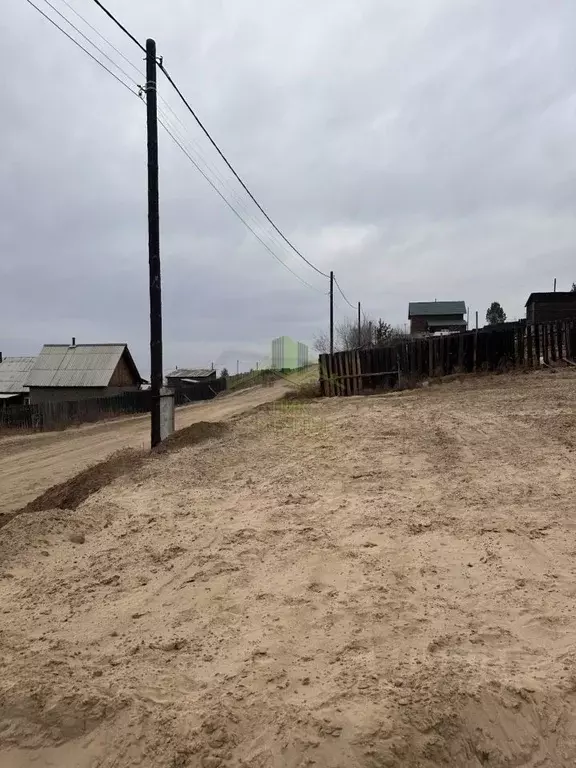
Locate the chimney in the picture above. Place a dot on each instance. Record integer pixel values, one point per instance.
(73, 341)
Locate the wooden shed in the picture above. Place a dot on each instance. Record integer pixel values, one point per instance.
(547, 307)
(181, 378)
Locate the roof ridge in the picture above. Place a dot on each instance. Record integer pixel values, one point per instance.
(91, 344)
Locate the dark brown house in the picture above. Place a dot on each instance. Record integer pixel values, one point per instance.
(546, 307)
(81, 371)
(434, 316)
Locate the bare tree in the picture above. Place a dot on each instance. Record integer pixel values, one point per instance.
(322, 343)
(351, 337)
(372, 334)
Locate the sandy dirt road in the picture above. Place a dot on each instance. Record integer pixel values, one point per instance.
(29, 464)
(382, 582)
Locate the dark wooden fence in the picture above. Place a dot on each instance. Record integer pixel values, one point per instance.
(202, 390)
(58, 415)
(359, 371)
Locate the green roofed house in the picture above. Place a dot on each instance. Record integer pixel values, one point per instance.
(436, 316)
(288, 354)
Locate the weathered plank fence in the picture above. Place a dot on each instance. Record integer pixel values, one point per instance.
(55, 415)
(360, 371)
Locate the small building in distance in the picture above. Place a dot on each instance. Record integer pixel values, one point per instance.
(13, 373)
(184, 377)
(82, 371)
(546, 307)
(288, 354)
(436, 316)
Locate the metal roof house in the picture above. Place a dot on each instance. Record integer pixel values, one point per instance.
(181, 377)
(435, 316)
(13, 373)
(81, 371)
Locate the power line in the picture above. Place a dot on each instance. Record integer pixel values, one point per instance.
(178, 143)
(229, 204)
(213, 142)
(119, 52)
(92, 43)
(122, 27)
(243, 185)
(343, 295)
(101, 36)
(87, 52)
(225, 184)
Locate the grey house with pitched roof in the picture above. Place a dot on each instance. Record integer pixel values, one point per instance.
(436, 316)
(13, 374)
(82, 371)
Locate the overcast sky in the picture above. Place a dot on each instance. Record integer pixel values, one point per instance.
(421, 149)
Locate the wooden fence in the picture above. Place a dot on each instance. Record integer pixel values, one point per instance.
(58, 415)
(202, 390)
(359, 371)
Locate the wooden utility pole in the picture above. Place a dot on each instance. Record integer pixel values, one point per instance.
(331, 312)
(359, 327)
(476, 342)
(156, 373)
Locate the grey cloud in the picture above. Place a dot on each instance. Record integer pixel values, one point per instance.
(422, 150)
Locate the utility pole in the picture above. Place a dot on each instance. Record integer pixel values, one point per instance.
(359, 327)
(554, 285)
(156, 373)
(331, 312)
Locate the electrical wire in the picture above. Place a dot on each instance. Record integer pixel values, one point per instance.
(122, 27)
(74, 27)
(226, 186)
(343, 295)
(238, 215)
(86, 51)
(162, 122)
(212, 141)
(119, 52)
(101, 36)
(238, 178)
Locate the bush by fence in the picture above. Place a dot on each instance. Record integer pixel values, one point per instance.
(360, 370)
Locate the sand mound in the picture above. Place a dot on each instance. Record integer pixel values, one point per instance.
(430, 720)
(71, 493)
(376, 583)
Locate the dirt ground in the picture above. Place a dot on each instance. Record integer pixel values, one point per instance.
(372, 582)
(29, 464)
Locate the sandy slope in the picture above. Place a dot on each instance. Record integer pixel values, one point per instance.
(30, 464)
(370, 582)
